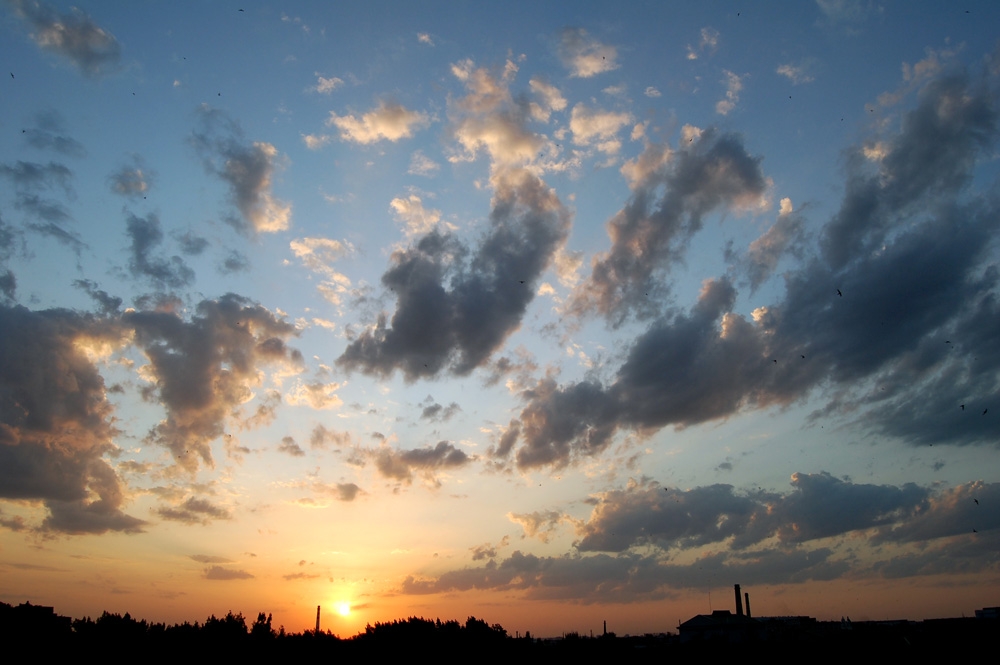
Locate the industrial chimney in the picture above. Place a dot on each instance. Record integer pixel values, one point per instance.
(746, 595)
(739, 601)
(317, 617)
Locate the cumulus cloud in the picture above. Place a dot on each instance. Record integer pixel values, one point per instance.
(247, 168)
(388, 121)
(204, 369)
(583, 55)
(416, 219)
(915, 309)
(74, 36)
(425, 38)
(437, 413)
(457, 327)
(590, 126)
(549, 99)
(56, 422)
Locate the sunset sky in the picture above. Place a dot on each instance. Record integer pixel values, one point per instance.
(547, 313)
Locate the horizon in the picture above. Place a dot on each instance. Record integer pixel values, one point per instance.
(548, 314)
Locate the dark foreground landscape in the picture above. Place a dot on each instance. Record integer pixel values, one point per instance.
(720, 632)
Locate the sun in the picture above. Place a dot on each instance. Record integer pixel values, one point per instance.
(344, 608)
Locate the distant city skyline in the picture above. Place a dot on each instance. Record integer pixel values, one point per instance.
(546, 313)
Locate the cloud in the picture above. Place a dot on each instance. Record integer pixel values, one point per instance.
(207, 558)
(390, 122)
(319, 255)
(549, 99)
(416, 219)
(194, 511)
(315, 394)
(130, 181)
(539, 524)
(339, 491)
(235, 261)
(56, 422)
(321, 436)
(74, 36)
(421, 164)
(584, 56)
(146, 235)
(325, 86)
(708, 41)
(786, 236)
(34, 177)
(49, 134)
(457, 328)
(247, 168)
(220, 573)
(437, 413)
(734, 84)
(190, 243)
(425, 38)
(289, 447)
(797, 74)
(652, 92)
(400, 465)
(589, 126)
(203, 369)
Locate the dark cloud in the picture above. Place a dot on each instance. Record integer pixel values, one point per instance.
(339, 491)
(321, 436)
(74, 36)
(207, 558)
(402, 464)
(203, 369)
(49, 133)
(456, 306)
(651, 232)
(191, 244)
(289, 447)
(786, 236)
(55, 421)
(298, 576)
(145, 234)
(235, 261)
(951, 512)
(35, 177)
(247, 167)
(220, 573)
(52, 219)
(917, 308)
(437, 413)
(194, 511)
(108, 304)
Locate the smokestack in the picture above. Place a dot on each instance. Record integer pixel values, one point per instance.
(739, 601)
(746, 595)
(317, 619)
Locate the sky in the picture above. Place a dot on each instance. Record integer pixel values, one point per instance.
(538, 312)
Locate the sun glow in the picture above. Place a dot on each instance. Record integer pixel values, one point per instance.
(343, 608)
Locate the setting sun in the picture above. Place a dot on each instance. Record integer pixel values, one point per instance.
(343, 609)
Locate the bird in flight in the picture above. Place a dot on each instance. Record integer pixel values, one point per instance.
(839, 293)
